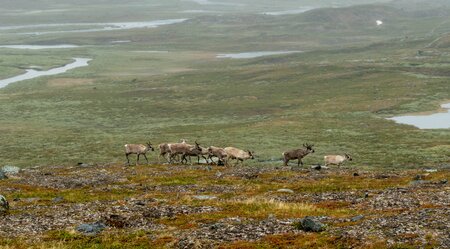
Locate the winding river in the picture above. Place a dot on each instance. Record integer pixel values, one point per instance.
(31, 73)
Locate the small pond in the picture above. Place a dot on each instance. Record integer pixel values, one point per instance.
(288, 12)
(440, 120)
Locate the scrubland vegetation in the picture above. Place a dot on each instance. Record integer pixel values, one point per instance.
(166, 83)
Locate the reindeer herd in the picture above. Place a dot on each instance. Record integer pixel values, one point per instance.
(182, 151)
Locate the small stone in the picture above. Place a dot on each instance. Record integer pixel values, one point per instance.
(285, 190)
(418, 177)
(355, 174)
(444, 181)
(431, 170)
(357, 218)
(91, 229)
(83, 164)
(204, 197)
(58, 199)
(316, 167)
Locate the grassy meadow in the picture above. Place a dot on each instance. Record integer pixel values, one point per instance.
(166, 83)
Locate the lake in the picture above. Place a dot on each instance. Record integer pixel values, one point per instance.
(39, 46)
(248, 55)
(440, 120)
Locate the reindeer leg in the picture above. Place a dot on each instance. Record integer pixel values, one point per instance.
(137, 161)
(298, 163)
(146, 158)
(128, 159)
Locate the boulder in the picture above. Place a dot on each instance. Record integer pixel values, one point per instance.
(10, 170)
(309, 224)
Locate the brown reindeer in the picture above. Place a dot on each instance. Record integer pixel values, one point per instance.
(217, 152)
(297, 154)
(197, 151)
(164, 150)
(139, 149)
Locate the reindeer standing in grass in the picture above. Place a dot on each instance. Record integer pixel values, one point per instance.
(297, 154)
(139, 149)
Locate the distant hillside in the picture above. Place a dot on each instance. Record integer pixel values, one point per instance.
(356, 15)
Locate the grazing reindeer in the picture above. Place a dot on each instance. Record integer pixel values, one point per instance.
(239, 155)
(197, 151)
(336, 159)
(139, 149)
(297, 154)
(217, 152)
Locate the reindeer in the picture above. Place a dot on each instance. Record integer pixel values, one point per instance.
(197, 151)
(139, 149)
(239, 155)
(217, 152)
(178, 149)
(164, 149)
(337, 159)
(297, 154)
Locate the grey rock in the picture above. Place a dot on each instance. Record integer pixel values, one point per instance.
(285, 190)
(4, 205)
(91, 229)
(309, 224)
(357, 218)
(11, 170)
(444, 181)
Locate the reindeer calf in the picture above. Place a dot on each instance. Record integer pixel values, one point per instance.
(337, 159)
